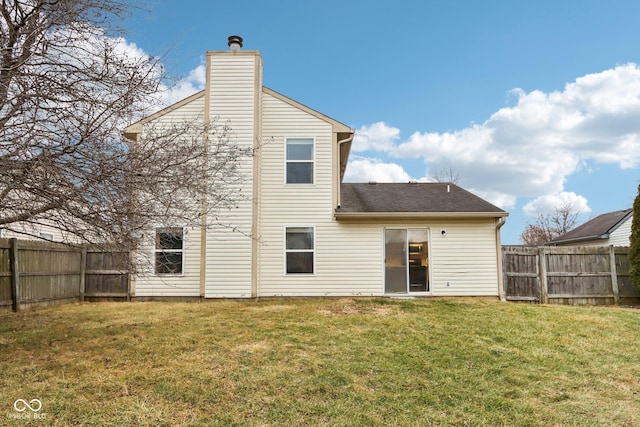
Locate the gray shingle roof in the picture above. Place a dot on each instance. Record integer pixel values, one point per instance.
(414, 198)
(598, 228)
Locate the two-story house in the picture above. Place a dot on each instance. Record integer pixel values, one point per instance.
(303, 232)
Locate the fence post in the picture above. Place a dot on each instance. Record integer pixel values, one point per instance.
(83, 272)
(614, 275)
(15, 275)
(542, 274)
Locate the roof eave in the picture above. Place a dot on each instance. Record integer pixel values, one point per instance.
(136, 128)
(417, 215)
(628, 215)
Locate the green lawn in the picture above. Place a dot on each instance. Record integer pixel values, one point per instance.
(333, 362)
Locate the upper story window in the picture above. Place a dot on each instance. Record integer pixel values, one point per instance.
(299, 160)
(169, 250)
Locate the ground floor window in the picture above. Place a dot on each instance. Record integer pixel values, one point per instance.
(300, 250)
(406, 260)
(169, 250)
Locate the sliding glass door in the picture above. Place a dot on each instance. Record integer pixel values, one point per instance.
(406, 261)
(395, 261)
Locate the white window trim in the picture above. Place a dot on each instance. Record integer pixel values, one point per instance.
(286, 251)
(183, 251)
(312, 161)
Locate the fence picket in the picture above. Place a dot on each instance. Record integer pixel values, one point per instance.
(574, 275)
(36, 273)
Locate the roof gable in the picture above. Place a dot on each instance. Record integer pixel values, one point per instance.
(599, 227)
(412, 199)
(136, 127)
(337, 126)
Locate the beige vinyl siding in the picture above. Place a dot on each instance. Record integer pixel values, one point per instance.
(147, 283)
(598, 242)
(350, 260)
(234, 90)
(465, 257)
(29, 231)
(296, 205)
(349, 256)
(621, 235)
(348, 263)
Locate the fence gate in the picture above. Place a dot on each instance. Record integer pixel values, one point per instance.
(521, 269)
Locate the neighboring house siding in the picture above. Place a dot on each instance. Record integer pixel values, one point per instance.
(148, 284)
(599, 242)
(27, 231)
(621, 235)
(234, 95)
(618, 237)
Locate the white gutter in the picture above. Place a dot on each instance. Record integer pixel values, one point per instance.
(416, 215)
(501, 293)
(343, 141)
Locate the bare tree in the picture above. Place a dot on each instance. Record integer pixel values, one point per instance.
(549, 226)
(446, 175)
(67, 90)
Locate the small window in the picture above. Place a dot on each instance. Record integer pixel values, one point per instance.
(300, 250)
(169, 250)
(46, 236)
(299, 160)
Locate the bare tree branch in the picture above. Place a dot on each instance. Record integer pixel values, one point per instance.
(67, 89)
(549, 226)
(446, 175)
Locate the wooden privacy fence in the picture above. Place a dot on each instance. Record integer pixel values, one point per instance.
(568, 275)
(35, 273)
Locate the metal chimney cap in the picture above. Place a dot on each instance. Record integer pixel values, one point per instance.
(234, 42)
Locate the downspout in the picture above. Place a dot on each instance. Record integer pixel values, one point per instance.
(347, 139)
(499, 224)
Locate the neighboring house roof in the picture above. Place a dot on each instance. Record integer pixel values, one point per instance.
(423, 199)
(599, 227)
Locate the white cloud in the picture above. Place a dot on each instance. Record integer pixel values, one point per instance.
(378, 137)
(549, 203)
(186, 86)
(529, 149)
(365, 170)
(501, 200)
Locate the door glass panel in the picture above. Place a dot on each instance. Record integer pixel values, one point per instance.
(395, 262)
(418, 260)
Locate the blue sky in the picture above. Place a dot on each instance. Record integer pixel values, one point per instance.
(530, 103)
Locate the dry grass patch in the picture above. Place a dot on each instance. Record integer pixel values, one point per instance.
(321, 362)
(348, 306)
